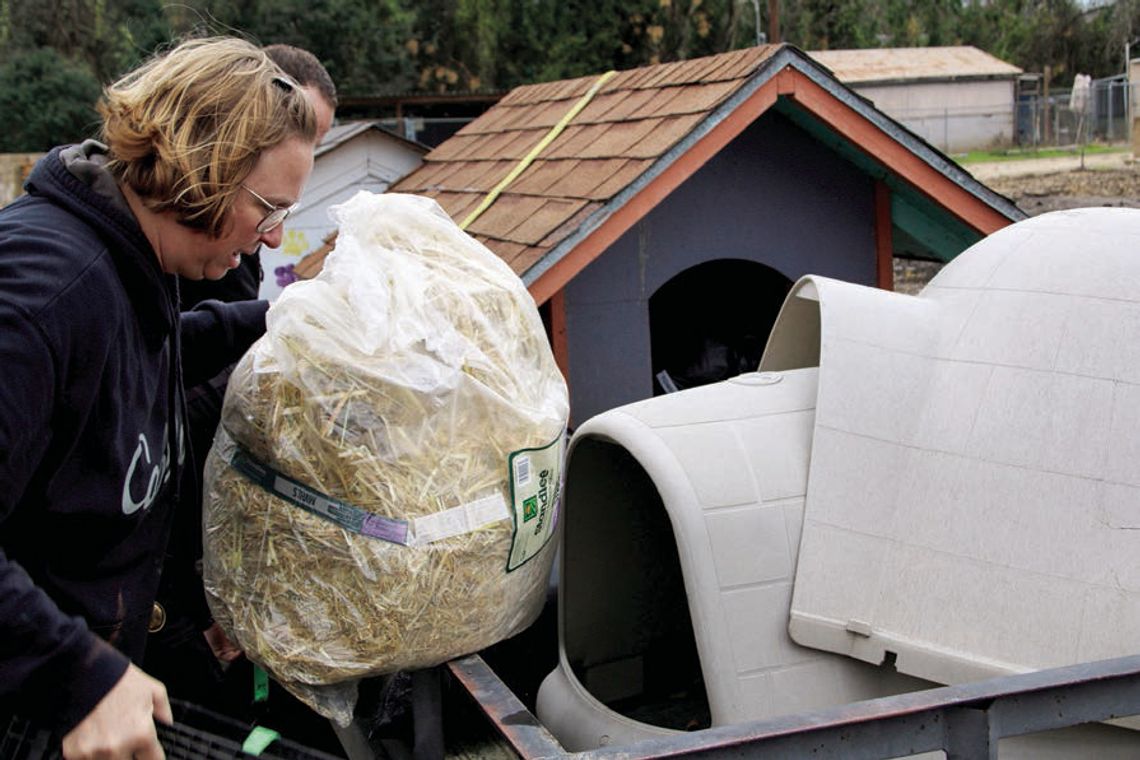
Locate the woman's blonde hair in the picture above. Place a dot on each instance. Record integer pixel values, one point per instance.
(186, 128)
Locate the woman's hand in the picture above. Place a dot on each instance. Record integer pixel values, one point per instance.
(121, 726)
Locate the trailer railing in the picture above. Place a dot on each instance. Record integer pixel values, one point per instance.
(964, 721)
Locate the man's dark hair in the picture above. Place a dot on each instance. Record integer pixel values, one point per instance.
(304, 67)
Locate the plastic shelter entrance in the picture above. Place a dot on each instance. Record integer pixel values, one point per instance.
(682, 518)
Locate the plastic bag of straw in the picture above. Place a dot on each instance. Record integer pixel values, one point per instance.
(382, 493)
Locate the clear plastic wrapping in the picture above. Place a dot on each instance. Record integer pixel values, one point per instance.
(382, 493)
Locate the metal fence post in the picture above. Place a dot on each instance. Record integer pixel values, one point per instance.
(1110, 131)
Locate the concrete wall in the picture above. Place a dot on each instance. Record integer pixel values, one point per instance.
(953, 116)
(370, 161)
(774, 196)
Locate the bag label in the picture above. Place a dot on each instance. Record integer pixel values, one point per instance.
(536, 488)
(466, 518)
(345, 515)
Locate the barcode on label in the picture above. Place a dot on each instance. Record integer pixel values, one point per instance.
(522, 471)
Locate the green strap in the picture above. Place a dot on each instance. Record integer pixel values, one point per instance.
(259, 738)
(260, 684)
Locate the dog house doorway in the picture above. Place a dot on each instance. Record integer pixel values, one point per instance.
(711, 321)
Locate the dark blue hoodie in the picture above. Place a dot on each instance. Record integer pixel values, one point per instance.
(91, 431)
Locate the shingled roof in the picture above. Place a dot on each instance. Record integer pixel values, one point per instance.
(632, 121)
(642, 133)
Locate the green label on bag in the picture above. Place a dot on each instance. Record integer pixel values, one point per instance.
(536, 486)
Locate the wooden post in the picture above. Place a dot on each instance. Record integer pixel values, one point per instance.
(558, 342)
(884, 247)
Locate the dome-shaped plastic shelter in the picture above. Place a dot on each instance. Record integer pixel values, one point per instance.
(942, 486)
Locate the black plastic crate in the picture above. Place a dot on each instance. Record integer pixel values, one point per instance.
(197, 734)
(22, 741)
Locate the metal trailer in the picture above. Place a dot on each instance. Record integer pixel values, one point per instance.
(964, 721)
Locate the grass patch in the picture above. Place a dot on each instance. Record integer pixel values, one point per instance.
(1020, 154)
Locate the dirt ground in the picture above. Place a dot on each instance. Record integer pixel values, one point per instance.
(1054, 184)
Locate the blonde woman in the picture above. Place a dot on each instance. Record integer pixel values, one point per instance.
(204, 152)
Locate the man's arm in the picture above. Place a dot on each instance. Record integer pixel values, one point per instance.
(217, 334)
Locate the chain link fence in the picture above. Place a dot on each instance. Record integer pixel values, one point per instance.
(1094, 111)
(1100, 112)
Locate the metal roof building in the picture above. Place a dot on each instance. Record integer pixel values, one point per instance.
(958, 98)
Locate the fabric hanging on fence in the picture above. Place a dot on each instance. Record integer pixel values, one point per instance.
(1079, 97)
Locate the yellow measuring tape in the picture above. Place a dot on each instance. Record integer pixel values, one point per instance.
(529, 159)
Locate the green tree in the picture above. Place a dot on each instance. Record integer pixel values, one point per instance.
(829, 24)
(600, 30)
(108, 37)
(379, 46)
(1061, 37)
(481, 27)
(360, 42)
(48, 100)
(444, 45)
(1110, 30)
(911, 23)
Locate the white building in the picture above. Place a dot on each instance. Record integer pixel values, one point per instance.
(956, 98)
(354, 156)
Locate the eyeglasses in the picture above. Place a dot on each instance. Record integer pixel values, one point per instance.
(284, 83)
(276, 215)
